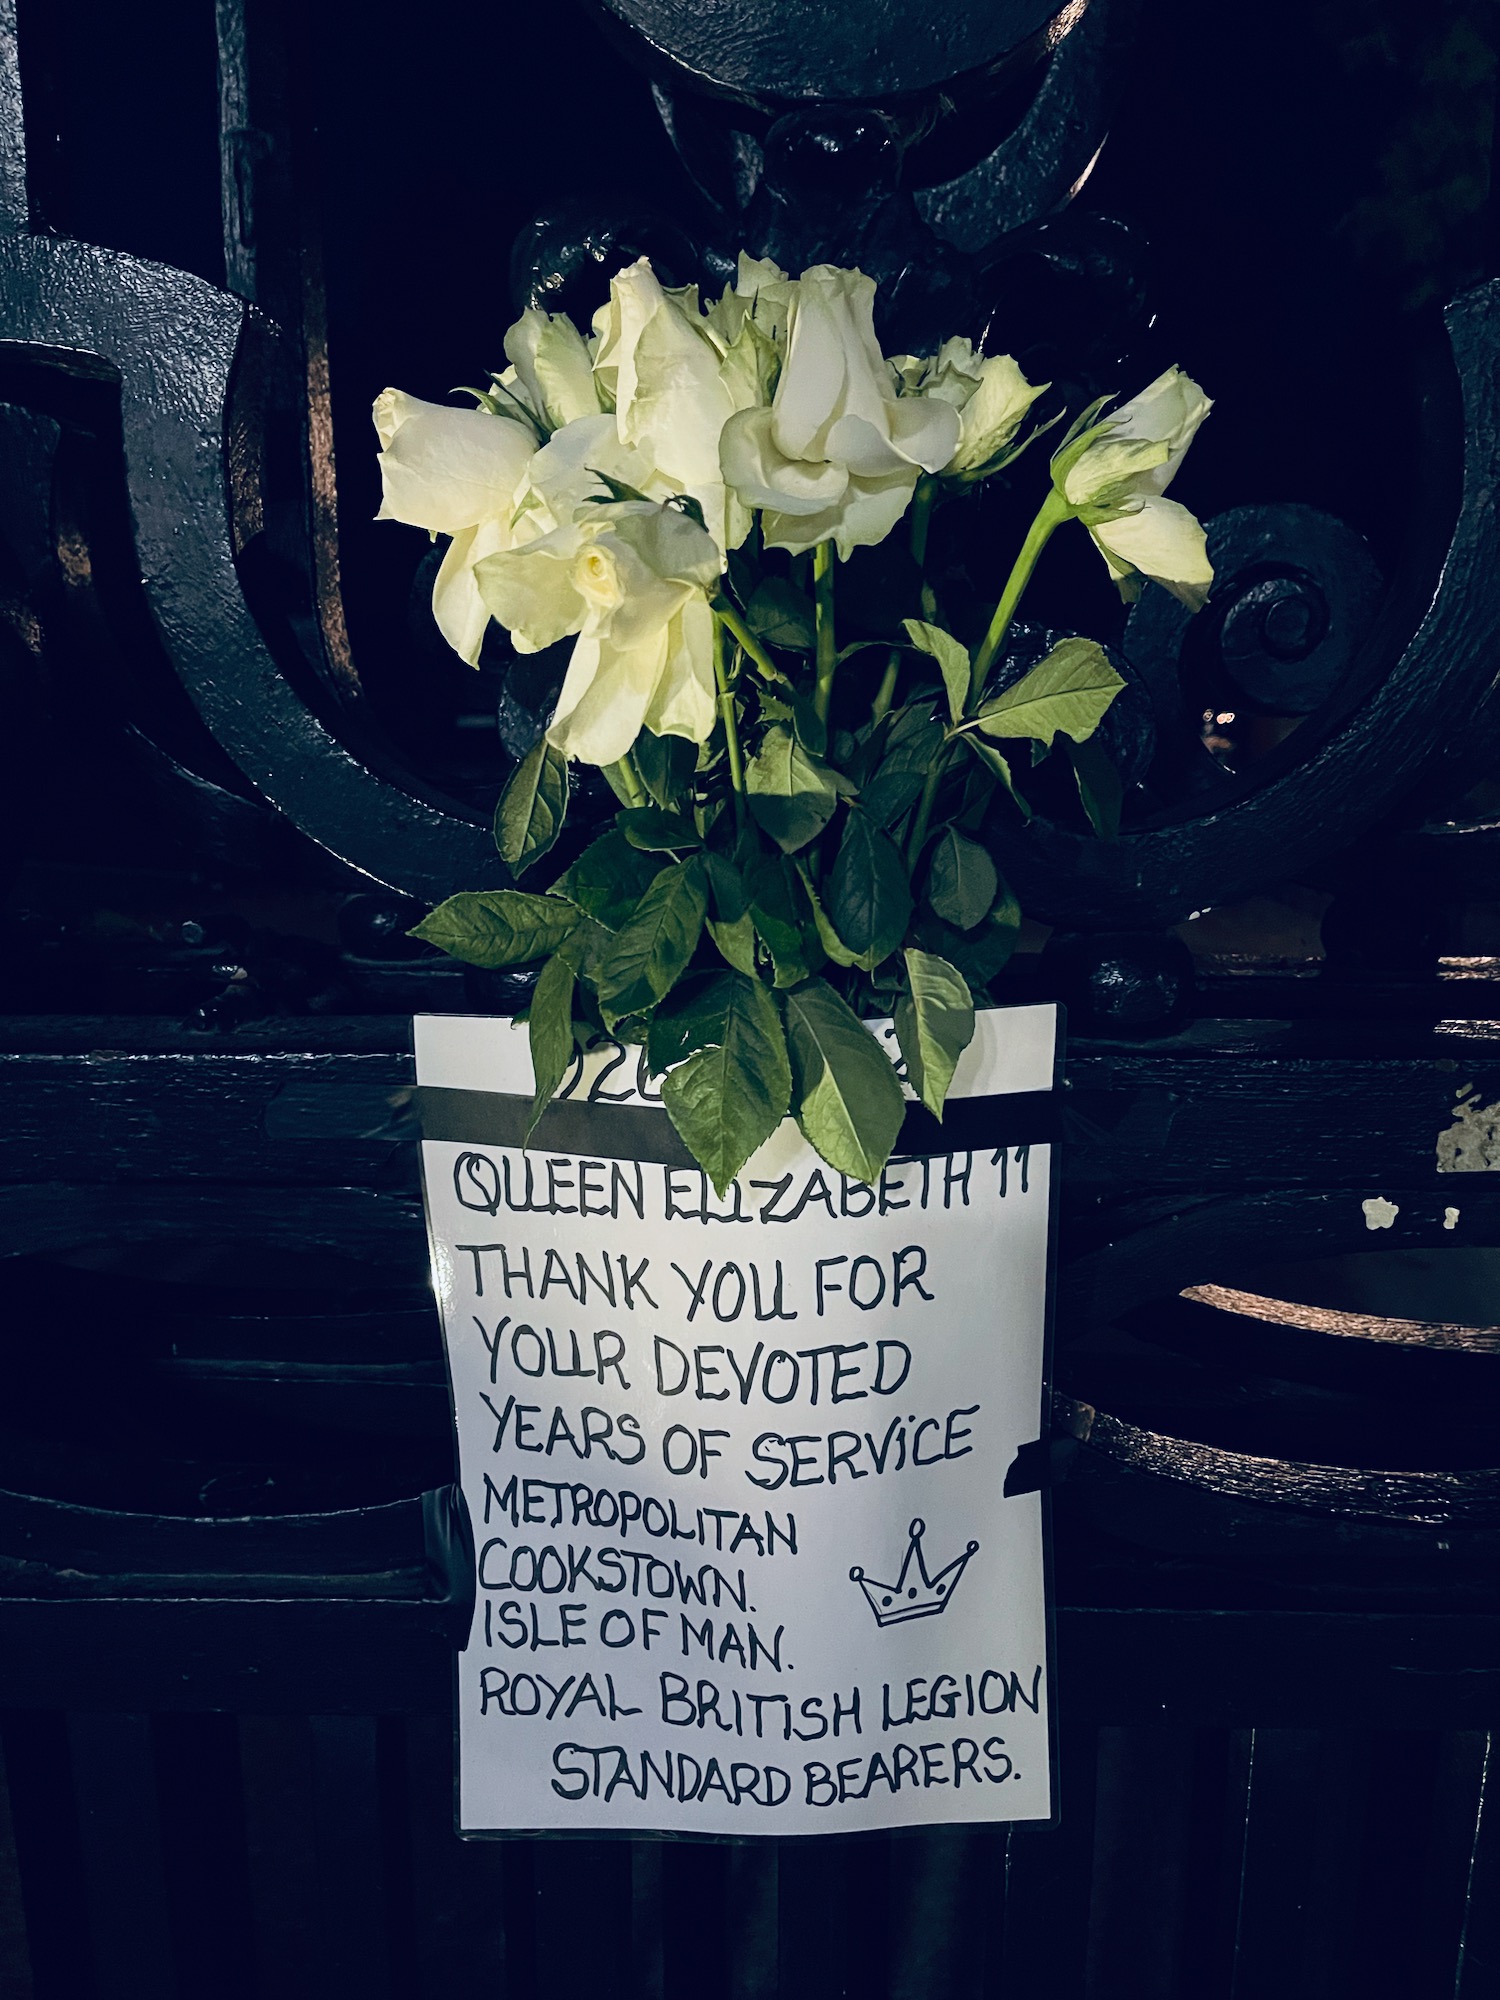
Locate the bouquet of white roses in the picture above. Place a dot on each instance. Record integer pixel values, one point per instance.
(675, 495)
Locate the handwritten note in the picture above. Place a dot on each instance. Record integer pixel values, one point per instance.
(735, 1466)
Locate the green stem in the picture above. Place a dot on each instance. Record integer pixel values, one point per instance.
(624, 780)
(828, 656)
(746, 639)
(921, 517)
(885, 694)
(1053, 512)
(921, 520)
(731, 728)
(925, 805)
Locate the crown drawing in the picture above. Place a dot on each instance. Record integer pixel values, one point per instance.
(914, 1594)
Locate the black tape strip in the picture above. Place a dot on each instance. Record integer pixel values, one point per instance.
(607, 1131)
(1044, 1463)
(641, 1132)
(969, 1124)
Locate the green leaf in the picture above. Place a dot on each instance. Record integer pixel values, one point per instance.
(678, 1025)
(790, 796)
(666, 765)
(868, 895)
(976, 793)
(902, 750)
(728, 896)
(782, 615)
(961, 881)
(783, 917)
(934, 1025)
(982, 953)
(845, 1096)
(809, 727)
(608, 879)
(1099, 786)
(550, 1027)
(990, 757)
(733, 1089)
(832, 943)
(858, 752)
(482, 397)
(913, 738)
(652, 949)
(617, 489)
(533, 806)
(890, 794)
(498, 927)
(655, 831)
(952, 659)
(687, 503)
(1065, 694)
(586, 947)
(1084, 421)
(735, 941)
(503, 402)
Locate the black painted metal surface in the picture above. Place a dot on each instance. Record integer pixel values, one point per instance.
(800, 51)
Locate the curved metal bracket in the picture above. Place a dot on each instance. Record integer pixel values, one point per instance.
(801, 51)
(172, 340)
(1042, 164)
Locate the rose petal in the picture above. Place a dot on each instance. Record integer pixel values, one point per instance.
(684, 703)
(444, 469)
(814, 381)
(865, 515)
(553, 362)
(925, 431)
(994, 413)
(461, 613)
(669, 542)
(531, 589)
(605, 695)
(763, 476)
(1163, 541)
(866, 450)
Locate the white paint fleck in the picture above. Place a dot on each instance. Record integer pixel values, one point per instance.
(1471, 1144)
(1379, 1213)
(1450, 1218)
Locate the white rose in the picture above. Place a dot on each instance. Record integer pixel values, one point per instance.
(837, 455)
(761, 292)
(749, 370)
(458, 473)
(551, 369)
(1113, 477)
(909, 372)
(991, 396)
(631, 580)
(673, 391)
